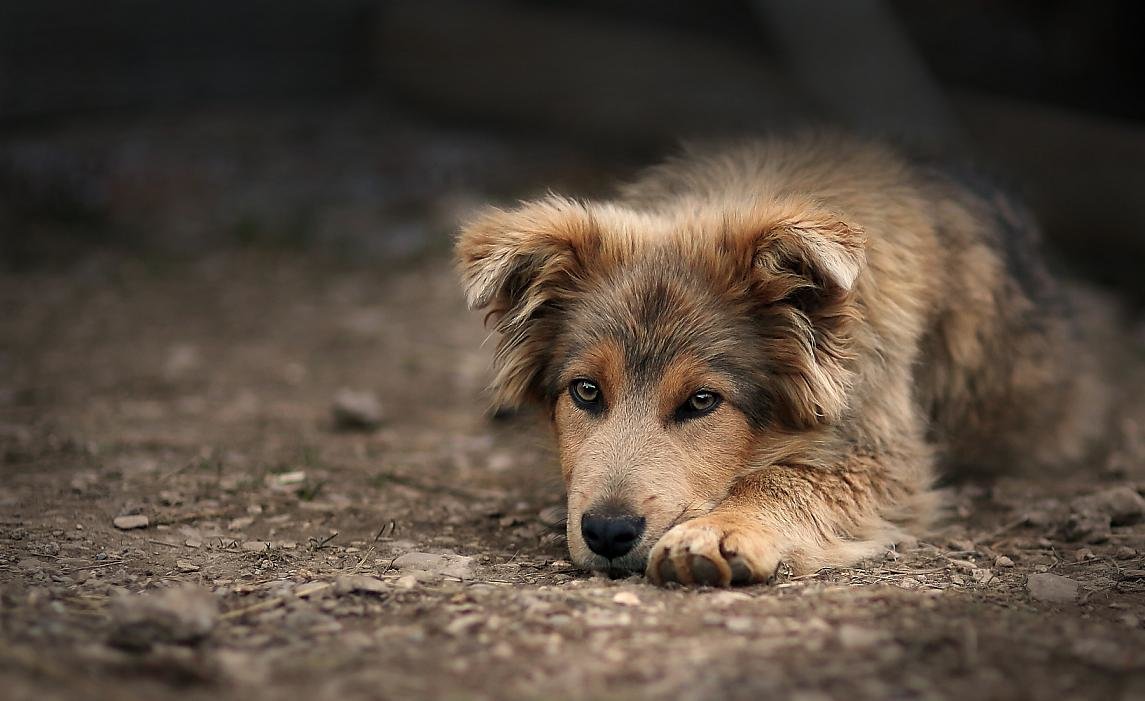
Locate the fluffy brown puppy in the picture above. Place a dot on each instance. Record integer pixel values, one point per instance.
(761, 354)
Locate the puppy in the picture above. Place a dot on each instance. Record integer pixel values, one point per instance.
(763, 354)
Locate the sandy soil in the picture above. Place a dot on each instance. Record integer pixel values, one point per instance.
(198, 395)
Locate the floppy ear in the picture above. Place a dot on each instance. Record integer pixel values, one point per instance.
(519, 264)
(812, 253)
(805, 266)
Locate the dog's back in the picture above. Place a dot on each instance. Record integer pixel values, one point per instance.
(1004, 356)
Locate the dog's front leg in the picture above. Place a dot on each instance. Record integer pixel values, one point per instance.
(806, 516)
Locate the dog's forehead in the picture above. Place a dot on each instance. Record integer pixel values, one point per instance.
(659, 314)
(657, 309)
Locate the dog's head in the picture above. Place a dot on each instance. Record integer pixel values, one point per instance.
(673, 353)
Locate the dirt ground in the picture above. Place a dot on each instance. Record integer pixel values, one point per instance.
(199, 395)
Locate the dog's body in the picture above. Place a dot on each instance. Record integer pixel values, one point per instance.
(762, 354)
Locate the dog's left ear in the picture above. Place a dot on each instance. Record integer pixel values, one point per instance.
(813, 253)
(519, 263)
(805, 265)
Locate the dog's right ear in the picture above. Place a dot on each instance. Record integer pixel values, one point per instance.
(514, 262)
(507, 258)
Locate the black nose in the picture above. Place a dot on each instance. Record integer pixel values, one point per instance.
(611, 536)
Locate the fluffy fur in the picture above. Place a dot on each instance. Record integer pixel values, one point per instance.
(865, 318)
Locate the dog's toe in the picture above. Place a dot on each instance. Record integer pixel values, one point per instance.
(705, 572)
(708, 552)
(741, 572)
(693, 570)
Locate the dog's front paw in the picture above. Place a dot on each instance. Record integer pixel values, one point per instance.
(714, 550)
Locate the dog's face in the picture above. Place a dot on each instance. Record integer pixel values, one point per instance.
(673, 354)
(647, 436)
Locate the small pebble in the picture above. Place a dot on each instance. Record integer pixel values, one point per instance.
(503, 650)
(1083, 554)
(181, 615)
(604, 618)
(723, 599)
(464, 624)
(448, 564)
(356, 411)
(1121, 505)
(854, 637)
(739, 624)
(240, 523)
(626, 598)
(310, 588)
(127, 523)
(1052, 588)
(1087, 527)
(292, 477)
(1003, 561)
(359, 584)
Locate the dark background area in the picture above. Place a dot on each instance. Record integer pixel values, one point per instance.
(365, 128)
(63, 58)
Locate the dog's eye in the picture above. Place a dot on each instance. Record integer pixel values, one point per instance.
(586, 395)
(699, 404)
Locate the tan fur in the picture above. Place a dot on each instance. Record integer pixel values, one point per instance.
(636, 458)
(864, 317)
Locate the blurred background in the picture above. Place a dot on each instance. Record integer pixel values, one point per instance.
(364, 128)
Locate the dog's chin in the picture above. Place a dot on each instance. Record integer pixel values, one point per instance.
(619, 568)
